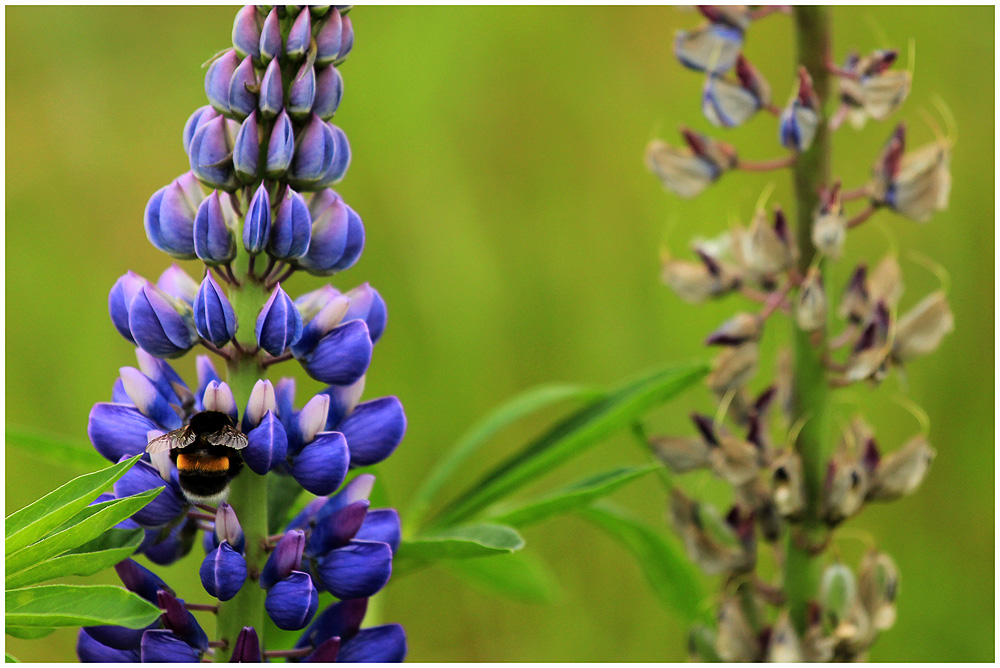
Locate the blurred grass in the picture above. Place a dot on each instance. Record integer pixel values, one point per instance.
(514, 233)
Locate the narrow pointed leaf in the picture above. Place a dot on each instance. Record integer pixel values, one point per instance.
(669, 573)
(103, 552)
(77, 605)
(463, 542)
(35, 520)
(515, 409)
(571, 436)
(576, 496)
(95, 520)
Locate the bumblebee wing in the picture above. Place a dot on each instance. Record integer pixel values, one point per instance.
(179, 438)
(228, 437)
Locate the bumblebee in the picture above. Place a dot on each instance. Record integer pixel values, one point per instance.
(206, 452)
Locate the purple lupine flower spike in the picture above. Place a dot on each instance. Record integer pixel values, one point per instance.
(279, 324)
(246, 149)
(272, 95)
(214, 231)
(270, 37)
(329, 92)
(292, 228)
(242, 99)
(302, 92)
(211, 155)
(298, 37)
(328, 40)
(267, 445)
(247, 35)
(217, 80)
(257, 228)
(281, 146)
(247, 646)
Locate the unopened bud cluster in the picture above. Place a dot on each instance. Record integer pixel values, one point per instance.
(256, 207)
(857, 333)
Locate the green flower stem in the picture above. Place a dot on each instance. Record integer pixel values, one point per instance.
(248, 492)
(809, 392)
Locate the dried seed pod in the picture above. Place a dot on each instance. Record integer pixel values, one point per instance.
(696, 282)
(844, 490)
(787, 485)
(878, 586)
(829, 230)
(739, 329)
(733, 368)
(735, 640)
(855, 300)
(810, 303)
(886, 281)
(718, 546)
(922, 328)
(783, 645)
(763, 248)
(679, 453)
(900, 473)
(733, 459)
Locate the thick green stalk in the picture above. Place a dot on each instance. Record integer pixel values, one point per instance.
(248, 492)
(809, 391)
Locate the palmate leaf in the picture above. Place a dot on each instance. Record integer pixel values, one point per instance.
(517, 408)
(575, 496)
(461, 542)
(30, 523)
(517, 576)
(570, 437)
(92, 557)
(60, 605)
(90, 523)
(671, 576)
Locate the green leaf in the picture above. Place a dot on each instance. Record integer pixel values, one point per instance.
(517, 576)
(62, 451)
(571, 436)
(30, 523)
(94, 521)
(106, 550)
(27, 633)
(515, 409)
(463, 542)
(575, 496)
(668, 571)
(10, 658)
(77, 605)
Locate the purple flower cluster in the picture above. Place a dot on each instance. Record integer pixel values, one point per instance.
(255, 208)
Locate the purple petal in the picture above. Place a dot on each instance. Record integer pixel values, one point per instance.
(89, 650)
(280, 147)
(247, 32)
(342, 356)
(341, 620)
(373, 430)
(378, 644)
(357, 570)
(284, 559)
(217, 80)
(267, 445)
(246, 149)
(329, 92)
(279, 324)
(146, 397)
(272, 95)
(321, 466)
(381, 526)
(328, 40)
(337, 529)
(247, 647)
(214, 317)
(223, 572)
(167, 505)
(162, 646)
(118, 430)
(292, 602)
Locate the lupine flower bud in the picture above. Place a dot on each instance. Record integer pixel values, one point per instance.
(901, 472)
(246, 149)
(315, 150)
(382, 525)
(800, 118)
(211, 155)
(218, 397)
(829, 231)
(729, 104)
(733, 367)
(741, 328)
(735, 640)
(336, 529)
(280, 147)
(373, 430)
(270, 38)
(223, 572)
(783, 645)
(169, 217)
(267, 445)
(272, 95)
(878, 586)
(302, 92)
(299, 36)
(341, 159)
(243, 89)
(328, 40)
(279, 324)
(292, 228)
(323, 322)
(247, 32)
(217, 80)
(346, 39)
(357, 570)
(810, 303)
(921, 329)
(247, 647)
(162, 646)
(119, 299)
(180, 621)
(257, 227)
(688, 171)
(143, 394)
(227, 527)
(844, 490)
(711, 48)
(166, 506)
(200, 116)
(320, 467)
(206, 374)
(162, 325)
(176, 282)
(329, 92)
(292, 602)
(213, 314)
(787, 485)
(214, 231)
(284, 559)
(342, 356)
(338, 235)
(261, 400)
(367, 304)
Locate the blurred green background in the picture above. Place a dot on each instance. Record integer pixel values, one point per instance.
(514, 233)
